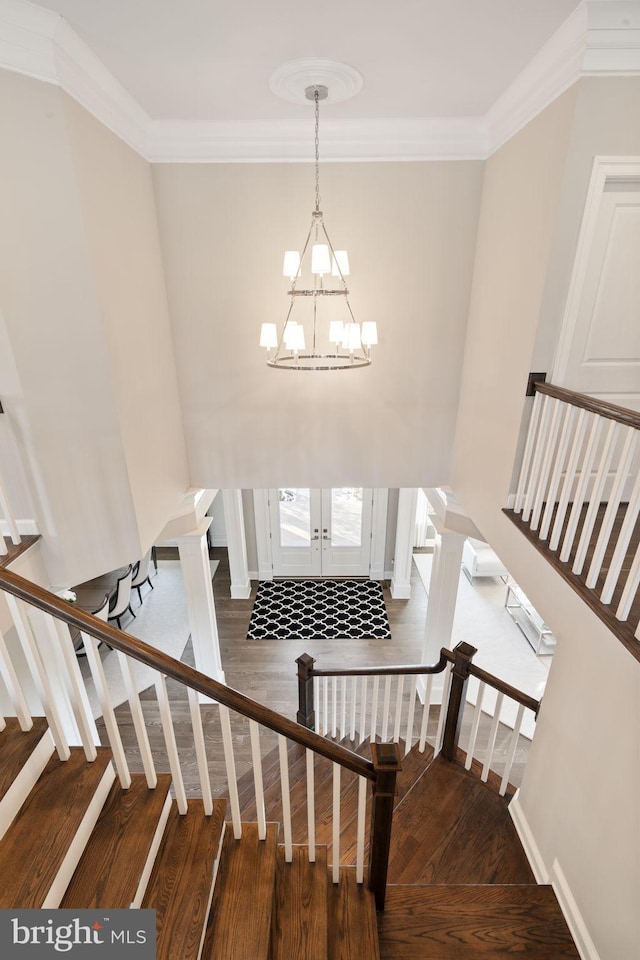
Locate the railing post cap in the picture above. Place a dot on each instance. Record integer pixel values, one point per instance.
(465, 649)
(386, 755)
(305, 660)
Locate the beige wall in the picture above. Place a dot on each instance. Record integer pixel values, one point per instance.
(581, 793)
(410, 230)
(119, 216)
(73, 283)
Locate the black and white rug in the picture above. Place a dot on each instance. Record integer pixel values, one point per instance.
(324, 609)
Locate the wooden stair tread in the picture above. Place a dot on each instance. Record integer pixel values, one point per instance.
(16, 746)
(473, 922)
(300, 915)
(353, 931)
(182, 879)
(452, 828)
(113, 861)
(31, 852)
(240, 918)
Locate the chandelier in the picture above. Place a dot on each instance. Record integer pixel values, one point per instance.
(320, 331)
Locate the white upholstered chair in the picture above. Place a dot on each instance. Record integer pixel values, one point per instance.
(141, 573)
(121, 600)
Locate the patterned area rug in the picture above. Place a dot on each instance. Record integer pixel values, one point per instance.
(324, 609)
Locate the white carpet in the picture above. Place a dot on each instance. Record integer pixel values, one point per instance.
(161, 621)
(482, 621)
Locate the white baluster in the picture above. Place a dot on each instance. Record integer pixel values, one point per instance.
(512, 751)
(286, 798)
(3, 552)
(550, 449)
(325, 705)
(59, 636)
(477, 713)
(201, 751)
(596, 496)
(569, 479)
(410, 715)
(624, 539)
(581, 489)
(492, 738)
(630, 589)
(426, 707)
(556, 475)
(3, 722)
(336, 822)
(362, 733)
(38, 674)
(354, 707)
(316, 703)
(256, 757)
(343, 709)
(106, 708)
(334, 706)
(385, 707)
(137, 717)
(398, 717)
(374, 708)
(362, 810)
(528, 451)
(311, 806)
(443, 710)
(613, 502)
(11, 682)
(170, 743)
(230, 764)
(538, 456)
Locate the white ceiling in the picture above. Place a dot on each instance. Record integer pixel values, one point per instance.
(209, 60)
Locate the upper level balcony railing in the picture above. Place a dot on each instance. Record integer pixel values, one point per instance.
(578, 500)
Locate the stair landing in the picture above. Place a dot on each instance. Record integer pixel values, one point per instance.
(473, 923)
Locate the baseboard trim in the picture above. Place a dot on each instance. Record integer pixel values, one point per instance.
(584, 944)
(527, 840)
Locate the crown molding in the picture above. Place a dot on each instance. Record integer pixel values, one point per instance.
(600, 37)
(342, 140)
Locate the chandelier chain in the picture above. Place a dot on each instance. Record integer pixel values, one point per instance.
(316, 98)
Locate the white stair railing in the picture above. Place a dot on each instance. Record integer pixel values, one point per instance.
(578, 490)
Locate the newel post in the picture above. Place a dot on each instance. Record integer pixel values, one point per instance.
(387, 765)
(464, 654)
(306, 713)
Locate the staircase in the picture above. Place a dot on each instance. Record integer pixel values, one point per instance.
(460, 885)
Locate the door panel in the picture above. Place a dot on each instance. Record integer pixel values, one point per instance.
(295, 531)
(346, 532)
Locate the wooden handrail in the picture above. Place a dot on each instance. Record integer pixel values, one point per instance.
(503, 687)
(48, 602)
(602, 407)
(307, 671)
(408, 669)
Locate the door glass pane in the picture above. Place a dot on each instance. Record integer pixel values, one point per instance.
(295, 516)
(346, 517)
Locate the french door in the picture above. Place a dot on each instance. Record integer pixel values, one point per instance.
(318, 533)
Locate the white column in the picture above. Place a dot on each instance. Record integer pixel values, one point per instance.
(443, 593)
(196, 575)
(236, 544)
(401, 580)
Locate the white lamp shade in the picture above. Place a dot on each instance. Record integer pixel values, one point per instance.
(320, 259)
(291, 265)
(336, 331)
(369, 333)
(294, 336)
(352, 339)
(341, 260)
(268, 336)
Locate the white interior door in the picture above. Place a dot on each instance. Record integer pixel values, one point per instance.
(599, 350)
(320, 532)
